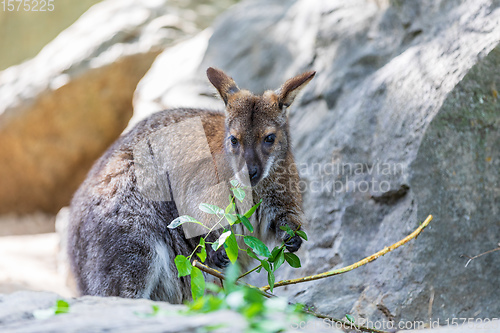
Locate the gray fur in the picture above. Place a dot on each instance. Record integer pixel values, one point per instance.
(119, 243)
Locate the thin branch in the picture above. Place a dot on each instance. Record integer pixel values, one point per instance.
(250, 271)
(479, 255)
(357, 264)
(208, 270)
(267, 294)
(221, 276)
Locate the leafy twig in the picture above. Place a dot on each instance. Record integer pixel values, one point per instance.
(221, 276)
(267, 294)
(208, 270)
(357, 264)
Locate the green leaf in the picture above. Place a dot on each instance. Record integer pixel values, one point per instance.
(255, 303)
(211, 209)
(253, 296)
(156, 311)
(222, 239)
(183, 219)
(231, 275)
(279, 259)
(251, 254)
(234, 182)
(231, 247)
(61, 307)
(350, 318)
(202, 254)
(274, 253)
(301, 233)
(215, 245)
(252, 310)
(246, 222)
(231, 218)
(288, 230)
(230, 209)
(266, 265)
(197, 283)
(239, 194)
(213, 287)
(257, 246)
(292, 260)
(183, 265)
(252, 210)
(270, 280)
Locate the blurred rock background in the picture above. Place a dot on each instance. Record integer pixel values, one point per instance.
(62, 108)
(401, 84)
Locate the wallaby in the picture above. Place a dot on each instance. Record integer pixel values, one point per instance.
(119, 243)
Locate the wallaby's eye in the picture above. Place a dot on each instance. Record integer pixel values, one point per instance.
(233, 140)
(270, 138)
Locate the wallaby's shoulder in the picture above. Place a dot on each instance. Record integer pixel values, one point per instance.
(119, 157)
(213, 122)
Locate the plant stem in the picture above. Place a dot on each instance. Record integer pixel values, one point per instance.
(208, 233)
(357, 264)
(482, 254)
(256, 268)
(250, 271)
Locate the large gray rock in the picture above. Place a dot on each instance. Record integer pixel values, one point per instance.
(401, 121)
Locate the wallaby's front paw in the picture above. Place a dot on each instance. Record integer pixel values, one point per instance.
(219, 258)
(293, 244)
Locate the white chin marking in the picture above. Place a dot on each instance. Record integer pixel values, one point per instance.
(269, 164)
(243, 180)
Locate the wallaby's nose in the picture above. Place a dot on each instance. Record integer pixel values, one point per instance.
(253, 172)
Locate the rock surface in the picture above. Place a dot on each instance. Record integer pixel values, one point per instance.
(401, 121)
(112, 314)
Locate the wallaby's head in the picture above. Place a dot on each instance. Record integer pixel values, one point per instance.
(257, 131)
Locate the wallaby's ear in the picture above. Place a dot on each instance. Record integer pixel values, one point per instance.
(290, 89)
(223, 83)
